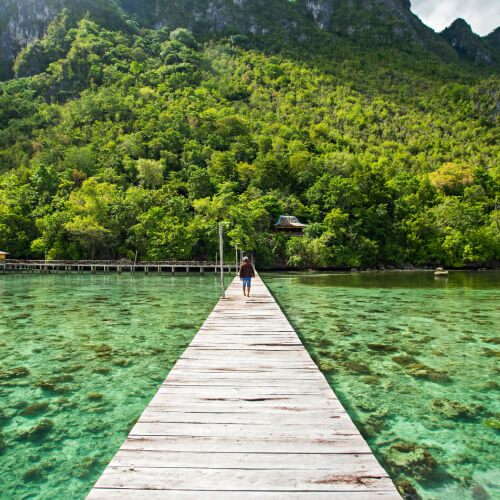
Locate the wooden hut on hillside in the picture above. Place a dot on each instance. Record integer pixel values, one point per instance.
(289, 225)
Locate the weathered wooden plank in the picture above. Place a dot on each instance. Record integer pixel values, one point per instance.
(277, 409)
(220, 341)
(245, 413)
(293, 354)
(224, 327)
(270, 362)
(238, 479)
(339, 444)
(340, 463)
(255, 364)
(309, 375)
(265, 344)
(259, 402)
(136, 494)
(242, 391)
(320, 431)
(233, 330)
(157, 415)
(237, 379)
(281, 369)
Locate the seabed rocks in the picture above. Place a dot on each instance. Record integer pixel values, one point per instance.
(38, 432)
(95, 396)
(420, 370)
(18, 372)
(382, 348)
(407, 490)
(357, 367)
(494, 424)
(479, 493)
(404, 360)
(410, 458)
(33, 474)
(35, 409)
(455, 410)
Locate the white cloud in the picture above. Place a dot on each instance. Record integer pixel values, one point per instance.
(482, 15)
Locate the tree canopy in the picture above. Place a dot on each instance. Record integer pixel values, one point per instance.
(142, 141)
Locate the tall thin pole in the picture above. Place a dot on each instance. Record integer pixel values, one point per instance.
(221, 259)
(236, 260)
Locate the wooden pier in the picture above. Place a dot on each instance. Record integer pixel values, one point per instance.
(107, 266)
(245, 413)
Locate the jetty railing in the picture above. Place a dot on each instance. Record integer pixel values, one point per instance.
(108, 266)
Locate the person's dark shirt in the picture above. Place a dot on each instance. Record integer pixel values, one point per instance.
(246, 270)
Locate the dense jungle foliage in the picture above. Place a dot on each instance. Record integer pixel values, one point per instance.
(137, 140)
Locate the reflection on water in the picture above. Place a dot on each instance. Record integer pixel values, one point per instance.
(415, 361)
(81, 358)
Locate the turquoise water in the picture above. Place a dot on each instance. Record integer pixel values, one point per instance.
(415, 361)
(81, 357)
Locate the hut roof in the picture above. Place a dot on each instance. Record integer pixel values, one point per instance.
(288, 221)
(4, 253)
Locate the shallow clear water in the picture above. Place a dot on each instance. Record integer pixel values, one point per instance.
(81, 357)
(415, 361)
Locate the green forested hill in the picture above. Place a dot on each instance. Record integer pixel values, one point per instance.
(142, 141)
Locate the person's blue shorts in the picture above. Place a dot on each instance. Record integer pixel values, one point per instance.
(246, 282)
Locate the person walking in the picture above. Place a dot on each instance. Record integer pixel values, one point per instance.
(246, 274)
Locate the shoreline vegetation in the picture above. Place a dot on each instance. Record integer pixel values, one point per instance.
(410, 267)
(489, 266)
(137, 144)
(407, 267)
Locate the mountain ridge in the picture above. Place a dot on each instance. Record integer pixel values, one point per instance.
(369, 22)
(467, 44)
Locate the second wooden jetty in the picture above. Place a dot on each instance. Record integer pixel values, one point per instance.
(245, 413)
(107, 266)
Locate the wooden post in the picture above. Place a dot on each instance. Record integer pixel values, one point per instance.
(173, 270)
(221, 251)
(236, 259)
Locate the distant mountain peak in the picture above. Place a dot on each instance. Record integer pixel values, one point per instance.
(460, 24)
(494, 38)
(467, 44)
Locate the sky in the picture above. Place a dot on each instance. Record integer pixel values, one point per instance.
(482, 15)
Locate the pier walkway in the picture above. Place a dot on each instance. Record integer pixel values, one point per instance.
(107, 266)
(245, 413)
